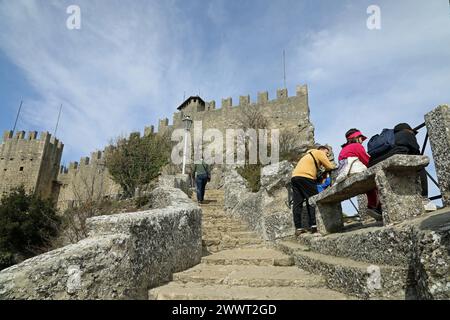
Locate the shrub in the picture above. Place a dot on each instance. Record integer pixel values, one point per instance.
(252, 174)
(28, 224)
(136, 161)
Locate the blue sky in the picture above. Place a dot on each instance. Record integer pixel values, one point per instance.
(132, 61)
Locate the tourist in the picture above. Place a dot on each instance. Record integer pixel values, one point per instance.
(406, 143)
(353, 159)
(324, 182)
(202, 174)
(304, 185)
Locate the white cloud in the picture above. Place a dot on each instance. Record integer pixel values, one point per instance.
(110, 75)
(372, 79)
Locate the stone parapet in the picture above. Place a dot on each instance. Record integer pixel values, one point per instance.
(124, 256)
(438, 126)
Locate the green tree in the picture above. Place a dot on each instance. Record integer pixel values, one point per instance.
(28, 224)
(136, 161)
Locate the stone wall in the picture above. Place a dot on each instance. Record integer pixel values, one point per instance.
(124, 255)
(30, 161)
(438, 126)
(265, 211)
(285, 113)
(87, 180)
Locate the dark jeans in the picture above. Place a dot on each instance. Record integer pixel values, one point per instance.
(201, 182)
(302, 190)
(424, 182)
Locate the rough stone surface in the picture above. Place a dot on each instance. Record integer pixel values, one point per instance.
(30, 161)
(178, 181)
(349, 276)
(265, 211)
(221, 231)
(412, 256)
(276, 176)
(217, 178)
(124, 255)
(398, 185)
(438, 126)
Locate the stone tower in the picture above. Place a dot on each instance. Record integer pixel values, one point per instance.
(31, 161)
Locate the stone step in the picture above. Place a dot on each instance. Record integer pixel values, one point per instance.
(219, 220)
(207, 250)
(230, 242)
(372, 244)
(225, 226)
(232, 234)
(250, 276)
(250, 256)
(352, 277)
(196, 291)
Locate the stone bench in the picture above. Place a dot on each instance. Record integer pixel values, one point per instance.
(398, 183)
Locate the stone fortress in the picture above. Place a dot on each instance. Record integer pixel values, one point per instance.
(31, 161)
(240, 245)
(36, 163)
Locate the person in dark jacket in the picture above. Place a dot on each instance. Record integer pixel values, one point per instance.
(202, 174)
(406, 143)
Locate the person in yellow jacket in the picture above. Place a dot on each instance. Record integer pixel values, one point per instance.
(304, 186)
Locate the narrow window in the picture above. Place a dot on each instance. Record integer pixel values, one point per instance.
(21, 169)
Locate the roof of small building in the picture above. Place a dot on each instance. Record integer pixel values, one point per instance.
(188, 100)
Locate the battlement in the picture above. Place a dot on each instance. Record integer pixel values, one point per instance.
(164, 125)
(262, 98)
(199, 111)
(9, 137)
(96, 158)
(149, 130)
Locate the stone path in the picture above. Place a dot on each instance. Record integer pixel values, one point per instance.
(238, 266)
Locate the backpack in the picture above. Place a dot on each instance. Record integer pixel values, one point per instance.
(381, 143)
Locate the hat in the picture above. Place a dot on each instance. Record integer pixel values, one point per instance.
(403, 126)
(355, 133)
(320, 146)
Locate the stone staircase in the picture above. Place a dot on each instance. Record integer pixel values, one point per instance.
(238, 266)
(350, 276)
(220, 231)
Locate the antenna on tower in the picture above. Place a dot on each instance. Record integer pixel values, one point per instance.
(284, 68)
(18, 114)
(57, 122)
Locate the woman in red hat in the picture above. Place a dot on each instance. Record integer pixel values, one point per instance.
(352, 149)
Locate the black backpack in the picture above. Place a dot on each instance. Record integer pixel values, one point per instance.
(382, 143)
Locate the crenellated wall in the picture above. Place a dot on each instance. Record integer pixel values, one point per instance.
(286, 113)
(87, 180)
(29, 160)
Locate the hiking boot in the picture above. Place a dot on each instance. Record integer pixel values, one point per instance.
(300, 231)
(375, 213)
(313, 229)
(428, 205)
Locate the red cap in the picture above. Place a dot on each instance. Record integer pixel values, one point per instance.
(357, 134)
